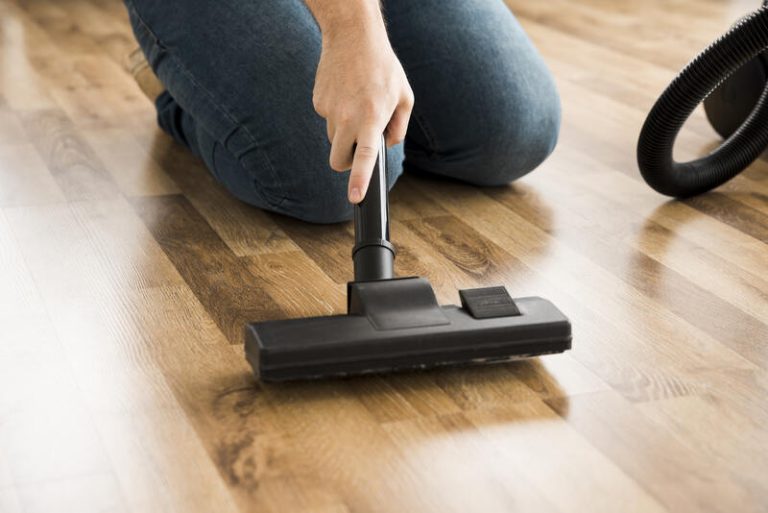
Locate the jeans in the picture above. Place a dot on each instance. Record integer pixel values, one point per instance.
(239, 76)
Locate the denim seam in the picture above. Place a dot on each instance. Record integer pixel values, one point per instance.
(175, 61)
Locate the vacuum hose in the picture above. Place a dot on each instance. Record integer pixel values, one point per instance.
(745, 41)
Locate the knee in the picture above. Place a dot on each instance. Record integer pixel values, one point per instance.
(522, 136)
(504, 125)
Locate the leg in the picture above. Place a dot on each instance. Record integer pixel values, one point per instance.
(239, 77)
(486, 108)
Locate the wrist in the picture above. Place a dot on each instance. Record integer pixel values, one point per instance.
(360, 21)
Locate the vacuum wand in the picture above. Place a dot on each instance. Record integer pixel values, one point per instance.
(373, 255)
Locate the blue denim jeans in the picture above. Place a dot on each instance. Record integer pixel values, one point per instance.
(239, 77)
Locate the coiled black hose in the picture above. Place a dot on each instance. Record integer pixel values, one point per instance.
(745, 41)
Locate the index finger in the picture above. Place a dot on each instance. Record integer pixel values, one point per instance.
(366, 152)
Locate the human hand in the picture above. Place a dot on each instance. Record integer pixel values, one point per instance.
(361, 90)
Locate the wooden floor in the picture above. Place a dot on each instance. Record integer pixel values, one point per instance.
(126, 276)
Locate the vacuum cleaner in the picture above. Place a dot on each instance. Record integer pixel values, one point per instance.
(731, 77)
(396, 323)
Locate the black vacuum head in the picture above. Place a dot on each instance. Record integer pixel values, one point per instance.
(397, 324)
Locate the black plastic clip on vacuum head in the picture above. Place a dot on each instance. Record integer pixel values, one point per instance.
(396, 323)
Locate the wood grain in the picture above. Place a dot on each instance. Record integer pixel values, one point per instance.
(230, 292)
(653, 456)
(127, 274)
(73, 164)
(24, 177)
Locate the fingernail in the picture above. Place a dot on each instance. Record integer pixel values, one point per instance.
(354, 195)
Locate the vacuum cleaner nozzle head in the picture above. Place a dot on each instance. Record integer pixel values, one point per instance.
(396, 324)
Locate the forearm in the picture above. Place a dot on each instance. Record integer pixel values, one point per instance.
(348, 17)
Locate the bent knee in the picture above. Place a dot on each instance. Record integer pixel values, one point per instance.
(499, 145)
(523, 138)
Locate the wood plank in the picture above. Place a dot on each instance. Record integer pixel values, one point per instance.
(25, 179)
(20, 84)
(298, 285)
(661, 40)
(107, 339)
(735, 247)
(73, 164)
(449, 446)
(54, 20)
(740, 450)
(46, 433)
(677, 476)
(130, 164)
(726, 210)
(91, 493)
(18, 293)
(532, 439)
(329, 246)
(11, 131)
(605, 233)
(594, 68)
(231, 293)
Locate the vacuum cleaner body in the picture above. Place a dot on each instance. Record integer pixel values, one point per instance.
(730, 77)
(396, 323)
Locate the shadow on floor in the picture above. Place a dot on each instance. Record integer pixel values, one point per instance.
(406, 394)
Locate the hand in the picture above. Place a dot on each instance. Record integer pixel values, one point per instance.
(361, 90)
